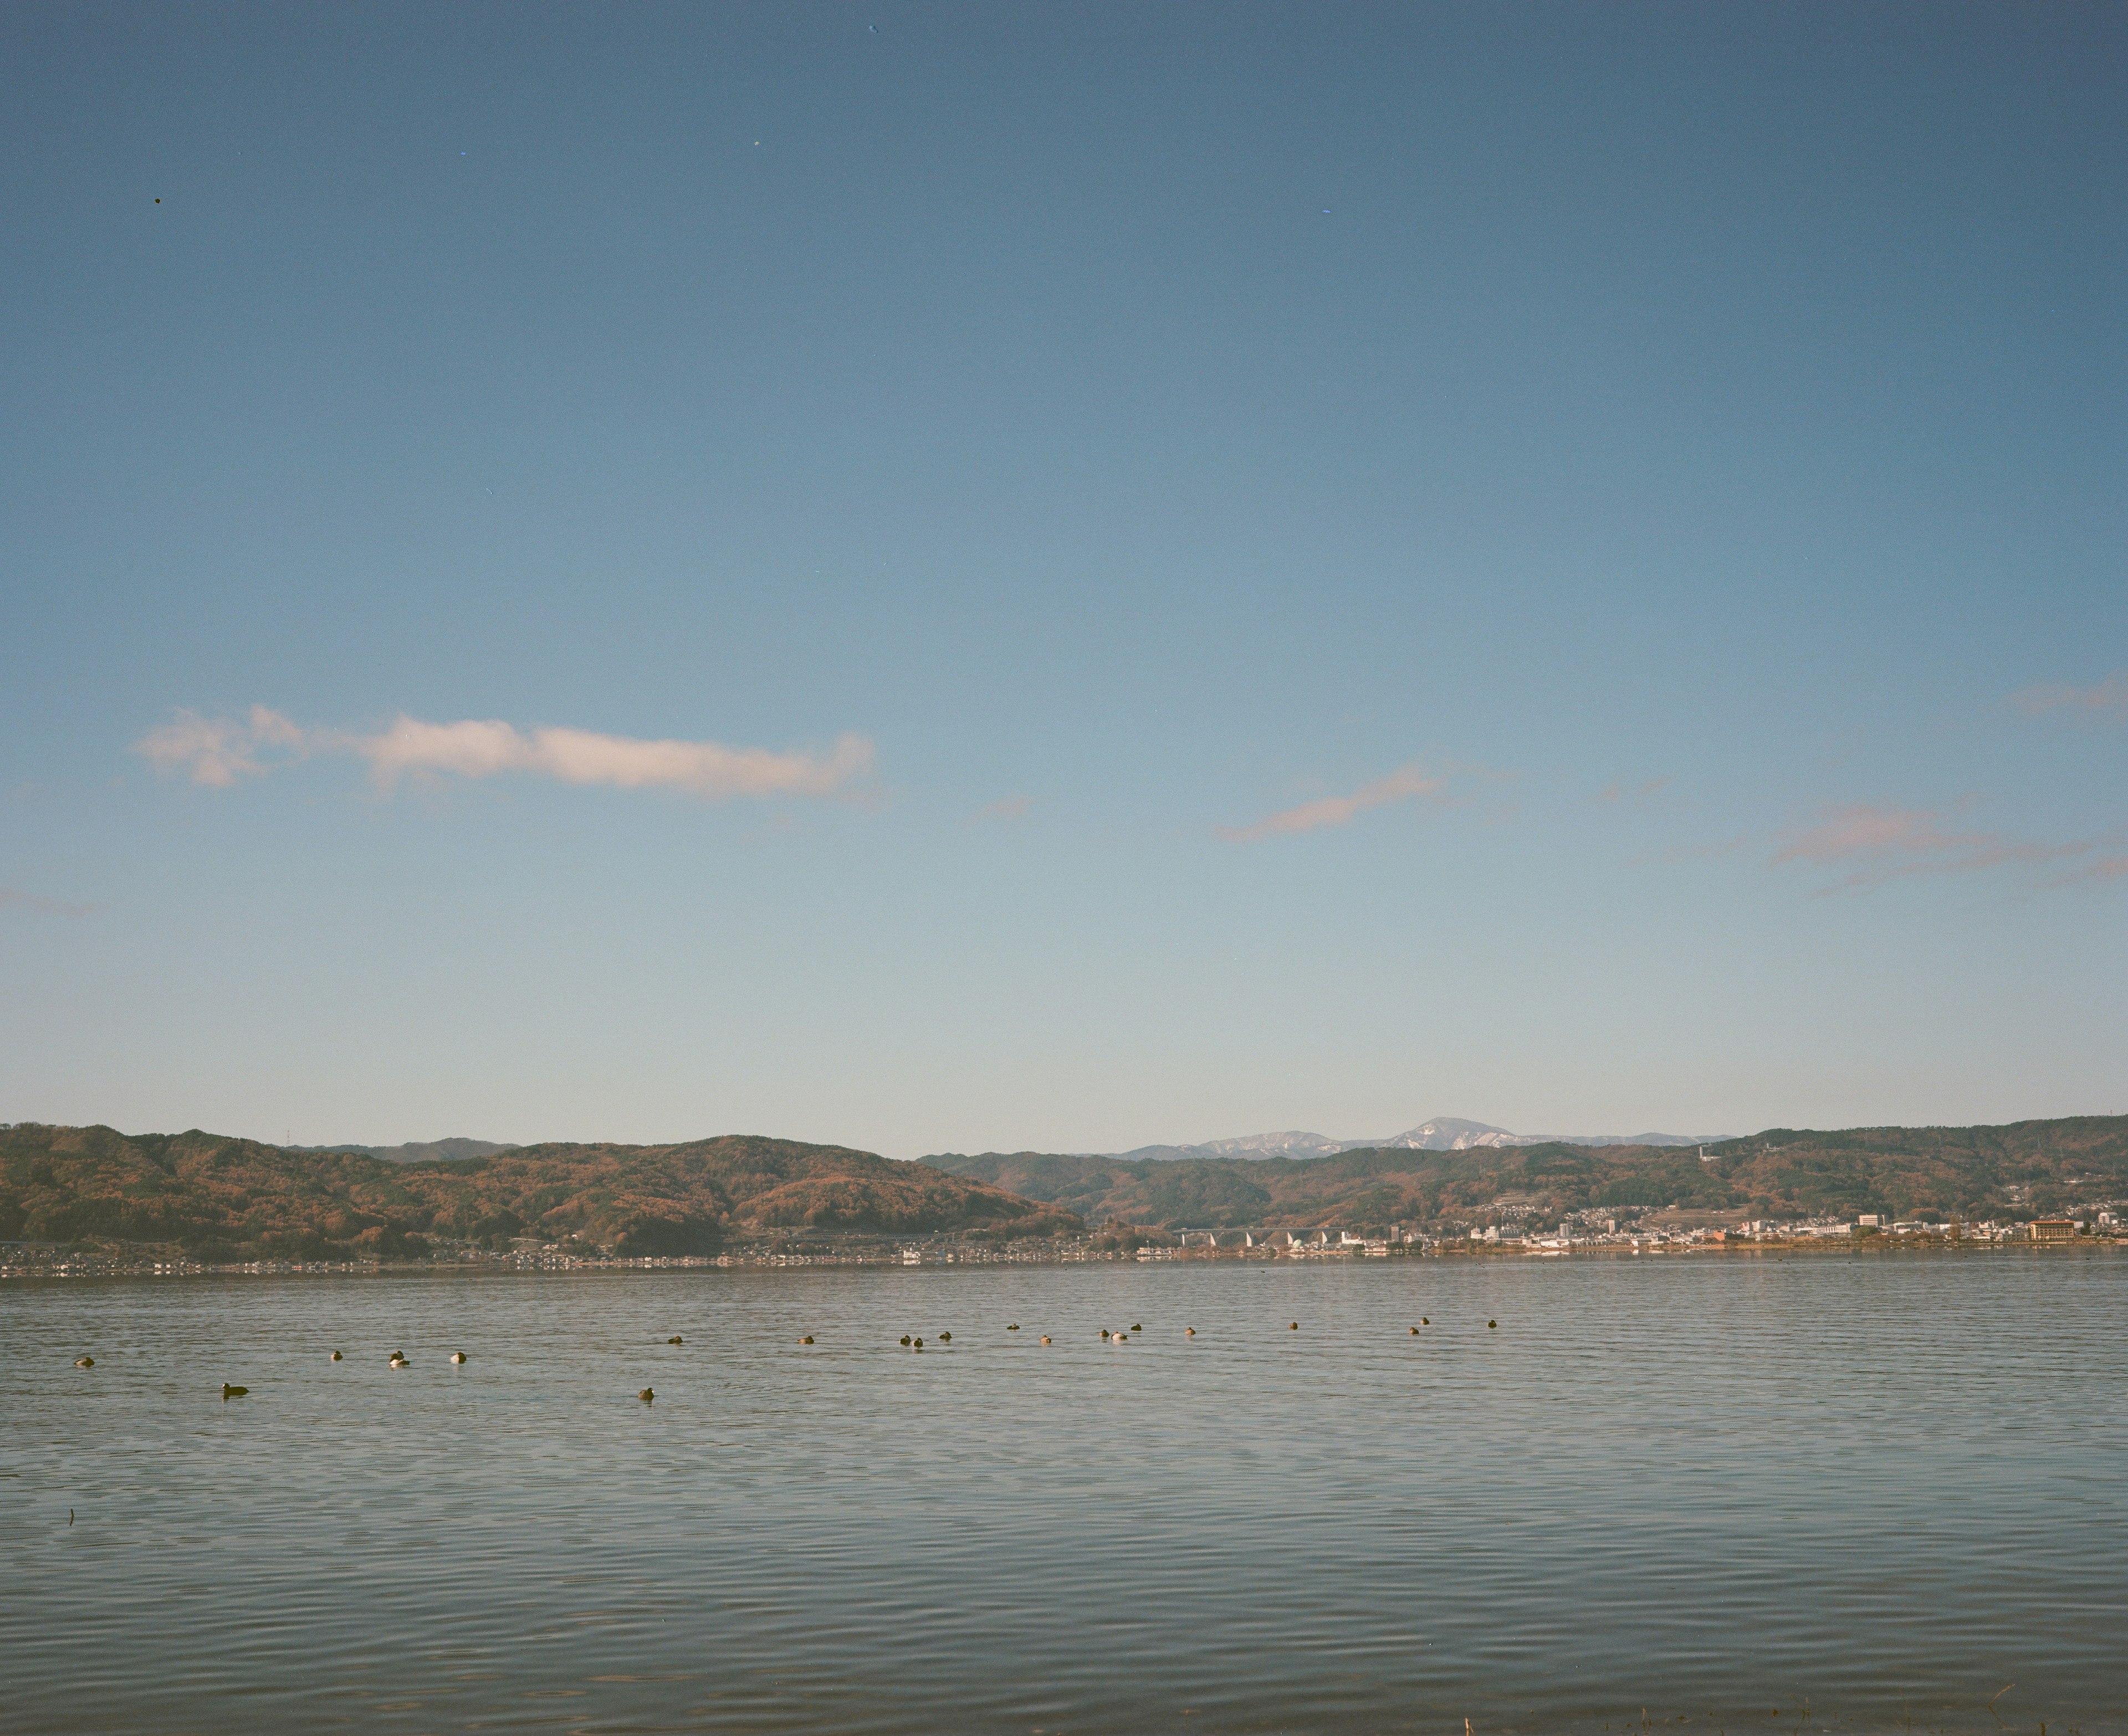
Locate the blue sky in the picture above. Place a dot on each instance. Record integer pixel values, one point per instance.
(1201, 568)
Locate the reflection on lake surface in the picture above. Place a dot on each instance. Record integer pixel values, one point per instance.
(1709, 1487)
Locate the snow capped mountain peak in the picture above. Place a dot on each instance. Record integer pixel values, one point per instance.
(1444, 1133)
(1272, 1145)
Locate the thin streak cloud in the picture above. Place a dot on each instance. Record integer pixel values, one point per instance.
(2108, 698)
(218, 751)
(1403, 784)
(1891, 843)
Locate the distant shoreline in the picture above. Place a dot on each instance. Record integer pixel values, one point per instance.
(110, 1267)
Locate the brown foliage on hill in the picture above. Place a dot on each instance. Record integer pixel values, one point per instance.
(225, 1199)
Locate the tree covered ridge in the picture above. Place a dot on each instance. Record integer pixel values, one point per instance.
(2018, 1169)
(220, 1198)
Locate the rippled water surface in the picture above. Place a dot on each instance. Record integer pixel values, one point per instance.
(1708, 1488)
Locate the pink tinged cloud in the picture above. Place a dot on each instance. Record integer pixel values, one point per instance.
(2106, 868)
(475, 749)
(2108, 697)
(217, 752)
(1888, 843)
(1400, 785)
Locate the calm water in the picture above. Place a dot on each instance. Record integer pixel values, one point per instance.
(1708, 1488)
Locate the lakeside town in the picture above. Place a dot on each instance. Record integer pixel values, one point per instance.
(1512, 1233)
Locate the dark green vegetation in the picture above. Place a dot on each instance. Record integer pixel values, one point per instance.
(2018, 1171)
(219, 1198)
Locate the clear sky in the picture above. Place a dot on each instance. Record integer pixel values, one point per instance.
(951, 576)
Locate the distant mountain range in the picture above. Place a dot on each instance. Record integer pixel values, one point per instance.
(1445, 1133)
(2021, 1169)
(227, 1198)
(419, 1151)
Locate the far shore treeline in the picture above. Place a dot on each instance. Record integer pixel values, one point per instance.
(215, 1198)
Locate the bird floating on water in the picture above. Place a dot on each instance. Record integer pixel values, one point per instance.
(648, 1394)
(397, 1360)
(1045, 1338)
(904, 1338)
(84, 1361)
(807, 1340)
(945, 1338)
(229, 1391)
(1293, 1325)
(458, 1356)
(675, 1341)
(336, 1356)
(1188, 1331)
(1491, 1323)
(1014, 1327)
(917, 1345)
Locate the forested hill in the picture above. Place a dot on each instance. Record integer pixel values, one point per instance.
(2024, 1168)
(218, 1198)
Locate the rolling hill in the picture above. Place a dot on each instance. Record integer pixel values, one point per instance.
(223, 1198)
(2017, 1169)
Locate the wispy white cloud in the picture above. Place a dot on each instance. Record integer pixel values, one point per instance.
(219, 751)
(1403, 784)
(1885, 843)
(1618, 790)
(479, 748)
(48, 906)
(2108, 698)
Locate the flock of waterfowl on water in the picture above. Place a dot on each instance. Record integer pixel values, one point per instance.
(398, 1359)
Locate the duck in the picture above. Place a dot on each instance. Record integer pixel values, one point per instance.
(228, 1392)
(1424, 1321)
(1137, 1329)
(336, 1356)
(458, 1356)
(1188, 1331)
(1045, 1338)
(945, 1338)
(676, 1340)
(904, 1340)
(648, 1395)
(1014, 1327)
(1491, 1324)
(84, 1361)
(1293, 1325)
(916, 1344)
(397, 1360)
(807, 1340)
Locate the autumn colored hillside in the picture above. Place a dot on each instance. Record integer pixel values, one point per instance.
(219, 1197)
(2017, 1170)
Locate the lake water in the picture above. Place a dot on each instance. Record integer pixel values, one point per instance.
(1710, 1488)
